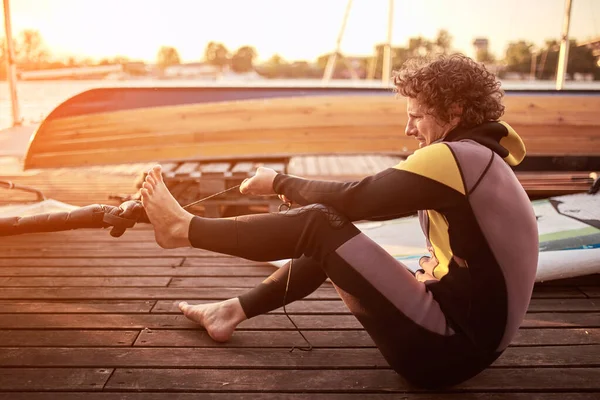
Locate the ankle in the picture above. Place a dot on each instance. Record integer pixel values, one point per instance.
(235, 312)
(180, 229)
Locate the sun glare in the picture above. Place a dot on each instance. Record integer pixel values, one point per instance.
(294, 30)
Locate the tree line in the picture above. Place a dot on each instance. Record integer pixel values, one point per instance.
(521, 57)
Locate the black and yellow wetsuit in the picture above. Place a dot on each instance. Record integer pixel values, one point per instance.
(480, 229)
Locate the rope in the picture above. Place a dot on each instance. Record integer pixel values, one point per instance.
(211, 196)
(287, 285)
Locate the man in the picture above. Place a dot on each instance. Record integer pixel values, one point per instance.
(461, 310)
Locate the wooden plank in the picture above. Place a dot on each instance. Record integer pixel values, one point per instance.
(215, 168)
(161, 395)
(268, 321)
(374, 163)
(345, 338)
(231, 282)
(158, 357)
(86, 262)
(296, 166)
(256, 338)
(208, 185)
(555, 292)
(220, 260)
(243, 168)
(133, 293)
(504, 379)
(139, 233)
(161, 321)
(225, 357)
(333, 166)
(32, 379)
(565, 320)
(54, 306)
(186, 168)
(550, 356)
(67, 338)
(166, 166)
(226, 270)
(361, 165)
(84, 281)
(543, 379)
(297, 307)
(557, 305)
(550, 337)
(116, 248)
(349, 166)
(311, 166)
(323, 165)
(389, 161)
(148, 251)
(593, 292)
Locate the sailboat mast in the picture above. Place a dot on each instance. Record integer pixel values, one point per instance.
(563, 57)
(11, 67)
(332, 59)
(387, 50)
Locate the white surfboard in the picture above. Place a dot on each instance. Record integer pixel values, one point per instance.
(569, 229)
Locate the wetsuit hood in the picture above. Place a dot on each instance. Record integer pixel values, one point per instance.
(500, 137)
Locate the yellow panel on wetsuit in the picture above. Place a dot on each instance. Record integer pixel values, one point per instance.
(443, 169)
(440, 240)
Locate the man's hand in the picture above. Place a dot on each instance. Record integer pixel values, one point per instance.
(261, 184)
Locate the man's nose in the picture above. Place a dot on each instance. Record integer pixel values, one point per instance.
(410, 130)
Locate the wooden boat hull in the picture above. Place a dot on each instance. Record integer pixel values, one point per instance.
(133, 125)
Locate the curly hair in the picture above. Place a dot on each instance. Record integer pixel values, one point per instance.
(445, 82)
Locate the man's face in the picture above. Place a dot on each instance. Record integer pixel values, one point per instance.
(423, 126)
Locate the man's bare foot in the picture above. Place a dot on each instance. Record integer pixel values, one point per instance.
(219, 319)
(171, 222)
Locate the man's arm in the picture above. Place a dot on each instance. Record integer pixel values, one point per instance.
(429, 179)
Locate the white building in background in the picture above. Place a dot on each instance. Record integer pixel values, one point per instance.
(98, 72)
(481, 44)
(191, 71)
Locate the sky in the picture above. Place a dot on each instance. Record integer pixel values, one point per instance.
(296, 30)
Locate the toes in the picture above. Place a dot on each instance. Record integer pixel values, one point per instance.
(150, 180)
(145, 195)
(149, 188)
(183, 306)
(156, 173)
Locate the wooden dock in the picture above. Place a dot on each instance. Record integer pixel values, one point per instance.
(85, 313)
(87, 316)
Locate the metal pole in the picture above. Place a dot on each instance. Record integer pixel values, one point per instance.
(332, 59)
(563, 57)
(387, 50)
(11, 68)
(532, 73)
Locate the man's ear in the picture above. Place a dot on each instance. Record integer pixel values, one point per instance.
(456, 111)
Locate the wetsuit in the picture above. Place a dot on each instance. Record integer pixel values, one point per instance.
(480, 229)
